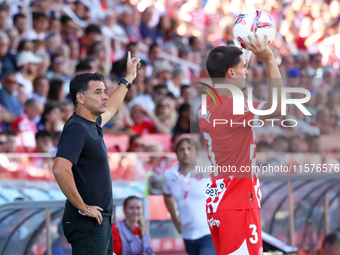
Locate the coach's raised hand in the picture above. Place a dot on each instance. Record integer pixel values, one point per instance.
(131, 67)
(260, 48)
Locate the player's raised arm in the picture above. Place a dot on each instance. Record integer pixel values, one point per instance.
(116, 99)
(262, 50)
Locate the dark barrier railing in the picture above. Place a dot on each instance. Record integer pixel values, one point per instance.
(48, 206)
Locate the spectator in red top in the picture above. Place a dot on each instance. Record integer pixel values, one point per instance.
(146, 122)
(24, 124)
(141, 124)
(129, 235)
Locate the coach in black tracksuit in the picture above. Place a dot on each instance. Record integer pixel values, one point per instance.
(81, 166)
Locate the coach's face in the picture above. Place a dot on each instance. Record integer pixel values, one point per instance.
(95, 99)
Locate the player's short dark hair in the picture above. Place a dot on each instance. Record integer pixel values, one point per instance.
(42, 133)
(332, 238)
(92, 28)
(83, 66)
(187, 140)
(80, 84)
(221, 58)
(18, 16)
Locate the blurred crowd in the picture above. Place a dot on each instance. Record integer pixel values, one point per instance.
(44, 45)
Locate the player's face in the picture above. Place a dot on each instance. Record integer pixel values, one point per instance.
(133, 210)
(95, 99)
(240, 73)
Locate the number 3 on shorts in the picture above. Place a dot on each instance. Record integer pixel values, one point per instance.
(254, 239)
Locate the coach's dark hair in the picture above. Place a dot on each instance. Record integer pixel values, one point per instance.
(192, 142)
(80, 84)
(221, 58)
(141, 223)
(331, 239)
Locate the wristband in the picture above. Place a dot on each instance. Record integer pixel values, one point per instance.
(125, 82)
(85, 214)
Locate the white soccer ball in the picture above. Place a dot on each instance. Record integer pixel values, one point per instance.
(251, 22)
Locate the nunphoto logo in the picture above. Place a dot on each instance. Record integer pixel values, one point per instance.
(240, 106)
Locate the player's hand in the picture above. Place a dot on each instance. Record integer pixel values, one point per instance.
(95, 212)
(260, 48)
(131, 67)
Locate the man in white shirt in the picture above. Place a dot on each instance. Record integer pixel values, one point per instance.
(185, 190)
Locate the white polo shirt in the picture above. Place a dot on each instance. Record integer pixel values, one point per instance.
(191, 209)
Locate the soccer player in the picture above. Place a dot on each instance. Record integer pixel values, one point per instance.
(233, 198)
